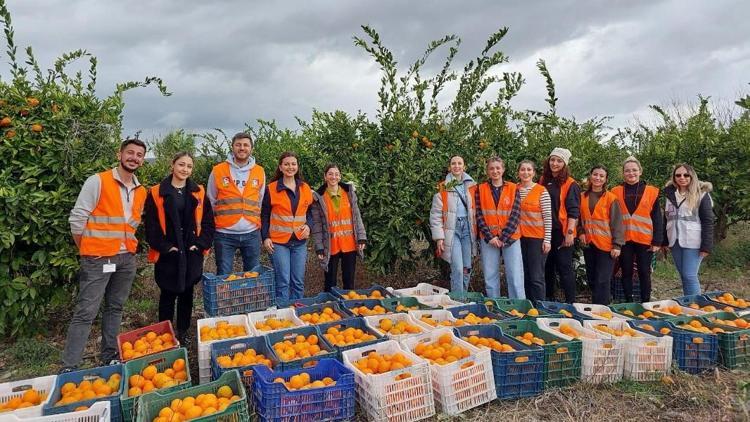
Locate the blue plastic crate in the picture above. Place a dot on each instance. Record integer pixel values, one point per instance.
(291, 334)
(702, 301)
(477, 309)
(558, 307)
(322, 297)
(78, 376)
(513, 379)
(367, 292)
(689, 357)
(356, 323)
(335, 306)
(713, 295)
(244, 295)
(274, 402)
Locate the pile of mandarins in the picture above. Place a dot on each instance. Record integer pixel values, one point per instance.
(326, 315)
(151, 379)
(146, 345)
(302, 347)
(221, 330)
(347, 336)
(188, 408)
(246, 358)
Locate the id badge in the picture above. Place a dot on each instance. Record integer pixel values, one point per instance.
(109, 268)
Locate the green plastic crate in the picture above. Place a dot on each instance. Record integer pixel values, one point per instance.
(560, 369)
(148, 406)
(734, 344)
(162, 360)
(505, 306)
(636, 309)
(467, 297)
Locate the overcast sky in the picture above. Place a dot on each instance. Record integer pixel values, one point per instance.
(231, 62)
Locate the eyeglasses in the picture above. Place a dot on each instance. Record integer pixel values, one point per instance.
(679, 175)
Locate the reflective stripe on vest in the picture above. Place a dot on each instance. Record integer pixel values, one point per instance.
(531, 223)
(638, 226)
(496, 217)
(153, 254)
(283, 222)
(340, 224)
(107, 222)
(232, 205)
(596, 225)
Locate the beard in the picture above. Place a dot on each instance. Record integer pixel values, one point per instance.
(125, 166)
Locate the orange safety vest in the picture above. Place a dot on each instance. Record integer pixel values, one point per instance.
(107, 228)
(531, 223)
(283, 221)
(153, 254)
(231, 205)
(340, 225)
(638, 226)
(563, 212)
(497, 217)
(596, 225)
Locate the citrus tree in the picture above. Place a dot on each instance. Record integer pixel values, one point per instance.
(55, 133)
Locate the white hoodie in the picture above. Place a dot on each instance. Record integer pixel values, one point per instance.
(240, 176)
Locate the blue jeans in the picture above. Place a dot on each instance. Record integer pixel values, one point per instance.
(688, 262)
(513, 260)
(289, 267)
(461, 256)
(226, 244)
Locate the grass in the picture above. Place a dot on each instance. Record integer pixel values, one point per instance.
(31, 357)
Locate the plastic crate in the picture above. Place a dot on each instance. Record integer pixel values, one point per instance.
(517, 374)
(438, 301)
(637, 310)
(663, 305)
(159, 328)
(504, 306)
(458, 388)
(204, 346)
(78, 376)
(339, 293)
(734, 343)
(370, 304)
(356, 323)
(567, 310)
(282, 314)
(437, 315)
(386, 397)
(335, 306)
(690, 356)
(618, 292)
(702, 303)
(562, 361)
(162, 361)
(280, 336)
(592, 311)
(603, 355)
(149, 406)
(323, 297)
(374, 323)
(467, 297)
(478, 309)
(11, 390)
(421, 289)
(647, 357)
(239, 296)
(715, 296)
(97, 412)
(410, 303)
(274, 402)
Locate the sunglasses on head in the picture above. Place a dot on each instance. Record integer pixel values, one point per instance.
(679, 175)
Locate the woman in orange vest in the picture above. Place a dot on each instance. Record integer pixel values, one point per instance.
(642, 218)
(535, 226)
(180, 231)
(601, 232)
(337, 229)
(284, 227)
(565, 197)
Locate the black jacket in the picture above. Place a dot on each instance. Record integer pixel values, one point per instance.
(176, 270)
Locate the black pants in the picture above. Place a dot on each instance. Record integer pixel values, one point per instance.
(599, 265)
(184, 307)
(560, 263)
(533, 268)
(348, 266)
(642, 256)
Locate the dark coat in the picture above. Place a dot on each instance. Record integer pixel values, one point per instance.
(176, 270)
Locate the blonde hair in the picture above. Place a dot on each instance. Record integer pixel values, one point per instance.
(693, 195)
(632, 159)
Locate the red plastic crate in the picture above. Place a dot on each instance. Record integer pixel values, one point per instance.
(159, 328)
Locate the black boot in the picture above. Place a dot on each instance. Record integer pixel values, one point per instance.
(183, 338)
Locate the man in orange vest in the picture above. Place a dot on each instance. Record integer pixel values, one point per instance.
(103, 222)
(235, 188)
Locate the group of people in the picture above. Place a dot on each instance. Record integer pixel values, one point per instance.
(236, 210)
(532, 226)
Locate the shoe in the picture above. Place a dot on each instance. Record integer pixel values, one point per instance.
(109, 362)
(183, 338)
(67, 369)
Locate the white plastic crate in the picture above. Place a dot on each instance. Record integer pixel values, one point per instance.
(383, 397)
(662, 305)
(43, 385)
(463, 384)
(438, 301)
(437, 315)
(647, 357)
(421, 289)
(589, 310)
(603, 356)
(98, 412)
(204, 347)
(373, 321)
(283, 313)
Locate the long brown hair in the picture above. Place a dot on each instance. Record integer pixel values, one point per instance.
(692, 199)
(587, 182)
(279, 175)
(561, 178)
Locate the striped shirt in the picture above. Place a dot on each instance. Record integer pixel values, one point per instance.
(546, 205)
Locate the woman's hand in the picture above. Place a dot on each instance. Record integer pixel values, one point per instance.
(582, 239)
(268, 244)
(440, 246)
(321, 256)
(704, 254)
(361, 247)
(654, 249)
(546, 247)
(304, 232)
(614, 253)
(569, 238)
(495, 241)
